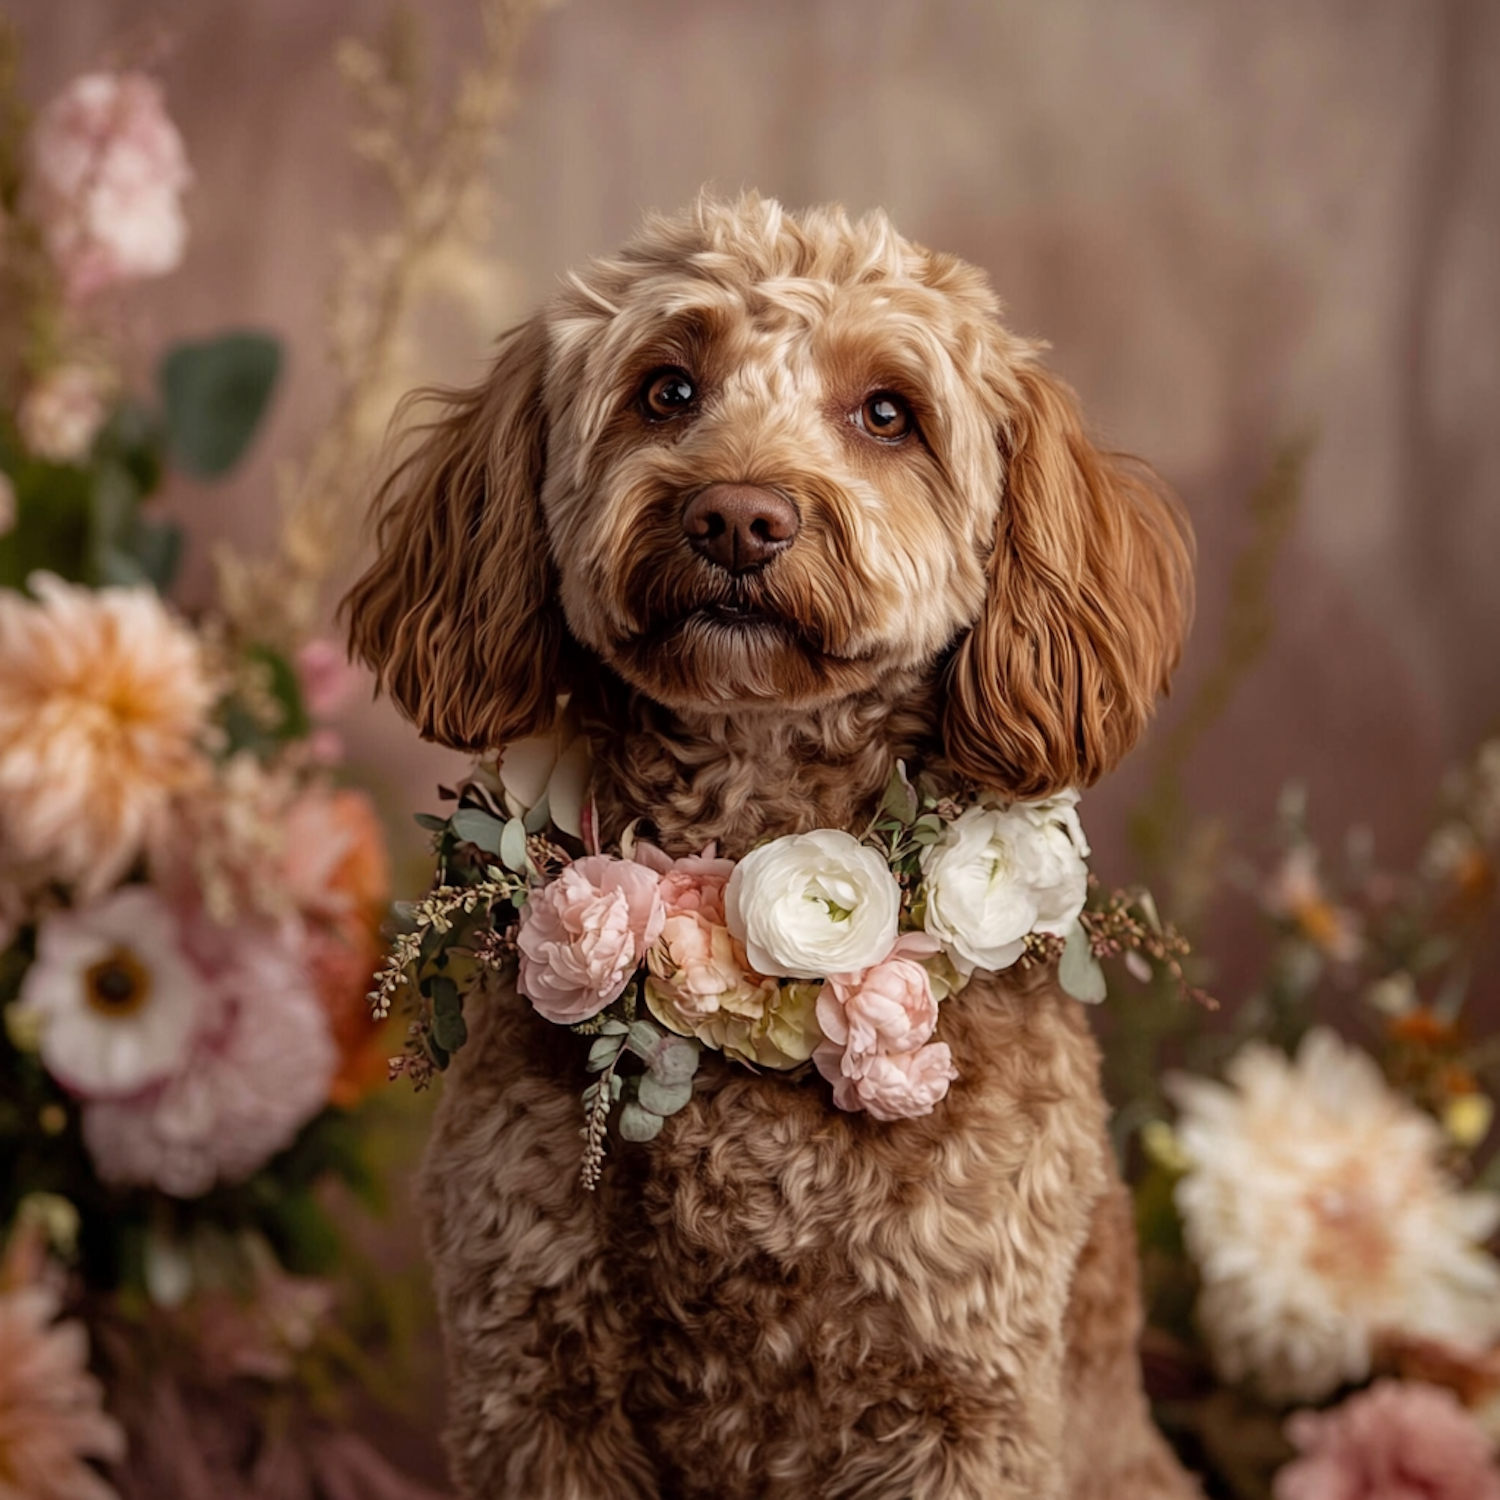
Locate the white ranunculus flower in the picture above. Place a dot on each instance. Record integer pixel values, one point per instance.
(999, 874)
(812, 904)
(115, 1001)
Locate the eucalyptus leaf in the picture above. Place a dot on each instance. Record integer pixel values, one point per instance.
(664, 1098)
(513, 846)
(476, 827)
(616, 1087)
(638, 1123)
(603, 1052)
(645, 1037)
(430, 821)
(676, 1061)
(1078, 971)
(611, 1026)
(214, 393)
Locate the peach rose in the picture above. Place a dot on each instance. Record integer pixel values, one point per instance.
(585, 933)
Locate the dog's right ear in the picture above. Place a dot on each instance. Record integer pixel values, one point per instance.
(458, 615)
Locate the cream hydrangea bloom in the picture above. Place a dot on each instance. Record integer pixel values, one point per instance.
(1319, 1216)
(103, 702)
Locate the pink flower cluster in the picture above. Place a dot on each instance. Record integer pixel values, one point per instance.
(107, 171)
(876, 1026)
(1399, 1440)
(583, 935)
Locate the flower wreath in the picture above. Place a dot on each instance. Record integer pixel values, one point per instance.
(818, 947)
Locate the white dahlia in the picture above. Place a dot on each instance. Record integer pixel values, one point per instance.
(259, 1069)
(103, 701)
(112, 999)
(1319, 1216)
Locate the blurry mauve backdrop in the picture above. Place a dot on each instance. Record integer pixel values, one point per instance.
(1234, 223)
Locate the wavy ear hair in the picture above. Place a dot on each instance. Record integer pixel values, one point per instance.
(458, 614)
(1090, 596)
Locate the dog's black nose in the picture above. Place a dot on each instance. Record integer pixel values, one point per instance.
(739, 527)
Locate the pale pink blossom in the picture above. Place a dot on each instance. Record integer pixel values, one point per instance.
(585, 933)
(259, 1068)
(890, 1085)
(51, 1409)
(60, 416)
(107, 171)
(887, 1008)
(696, 884)
(1395, 1441)
(326, 678)
(697, 967)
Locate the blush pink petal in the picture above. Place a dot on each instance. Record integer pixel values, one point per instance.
(1396, 1441)
(585, 933)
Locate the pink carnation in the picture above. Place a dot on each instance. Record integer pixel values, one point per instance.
(891, 1085)
(585, 933)
(1395, 1441)
(259, 1068)
(107, 171)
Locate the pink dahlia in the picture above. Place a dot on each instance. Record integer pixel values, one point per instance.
(1395, 1441)
(107, 172)
(585, 933)
(259, 1068)
(51, 1414)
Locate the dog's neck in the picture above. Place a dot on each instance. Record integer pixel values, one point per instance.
(736, 778)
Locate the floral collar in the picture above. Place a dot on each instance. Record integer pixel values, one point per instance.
(820, 947)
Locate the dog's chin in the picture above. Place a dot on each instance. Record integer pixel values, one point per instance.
(726, 657)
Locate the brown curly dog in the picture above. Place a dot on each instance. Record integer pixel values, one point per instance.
(778, 500)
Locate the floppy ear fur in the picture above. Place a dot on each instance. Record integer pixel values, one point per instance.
(1090, 595)
(458, 615)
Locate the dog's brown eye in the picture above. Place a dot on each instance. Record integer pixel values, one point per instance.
(666, 393)
(885, 416)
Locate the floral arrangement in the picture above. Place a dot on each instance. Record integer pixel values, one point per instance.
(190, 894)
(1314, 1174)
(818, 949)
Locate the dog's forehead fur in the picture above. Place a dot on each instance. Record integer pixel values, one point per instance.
(785, 293)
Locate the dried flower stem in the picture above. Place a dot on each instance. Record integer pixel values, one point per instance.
(434, 913)
(434, 164)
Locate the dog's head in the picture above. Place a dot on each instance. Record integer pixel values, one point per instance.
(761, 461)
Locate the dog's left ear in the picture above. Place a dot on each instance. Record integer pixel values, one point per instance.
(1089, 598)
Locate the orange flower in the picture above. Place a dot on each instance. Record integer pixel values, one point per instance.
(344, 947)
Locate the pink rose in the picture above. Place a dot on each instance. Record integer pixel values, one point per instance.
(107, 170)
(890, 1085)
(696, 884)
(585, 933)
(886, 1008)
(1395, 1441)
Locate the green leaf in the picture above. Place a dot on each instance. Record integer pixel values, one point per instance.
(638, 1123)
(539, 816)
(900, 798)
(214, 393)
(475, 826)
(52, 526)
(1078, 971)
(449, 1030)
(431, 822)
(158, 549)
(603, 1052)
(513, 846)
(664, 1098)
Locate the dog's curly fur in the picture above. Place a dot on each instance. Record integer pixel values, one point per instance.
(774, 1298)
